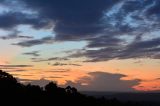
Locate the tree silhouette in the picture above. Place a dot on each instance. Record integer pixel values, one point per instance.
(51, 87)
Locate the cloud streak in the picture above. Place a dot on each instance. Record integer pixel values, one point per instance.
(34, 42)
(15, 66)
(64, 64)
(50, 59)
(33, 53)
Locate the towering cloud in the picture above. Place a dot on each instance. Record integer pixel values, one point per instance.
(101, 81)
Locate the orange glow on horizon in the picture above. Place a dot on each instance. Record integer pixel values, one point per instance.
(73, 73)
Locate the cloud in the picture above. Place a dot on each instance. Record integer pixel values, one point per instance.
(11, 19)
(110, 26)
(154, 9)
(64, 64)
(157, 78)
(102, 81)
(15, 66)
(14, 35)
(136, 49)
(18, 70)
(95, 81)
(80, 18)
(59, 70)
(54, 77)
(50, 59)
(103, 41)
(34, 42)
(33, 53)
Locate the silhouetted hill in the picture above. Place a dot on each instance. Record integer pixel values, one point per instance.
(14, 93)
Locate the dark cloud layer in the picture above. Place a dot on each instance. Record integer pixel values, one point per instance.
(10, 20)
(107, 25)
(73, 17)
(137, 49)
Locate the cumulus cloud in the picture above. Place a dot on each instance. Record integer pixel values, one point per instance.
(102, 81)
(95, 81)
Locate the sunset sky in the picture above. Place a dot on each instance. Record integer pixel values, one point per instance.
(94, 45)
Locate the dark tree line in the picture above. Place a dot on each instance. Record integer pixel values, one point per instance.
(14, 93)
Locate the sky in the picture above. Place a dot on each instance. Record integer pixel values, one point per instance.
(93, 45)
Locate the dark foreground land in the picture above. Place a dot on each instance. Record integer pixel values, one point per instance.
(13, 93)
(127, 96)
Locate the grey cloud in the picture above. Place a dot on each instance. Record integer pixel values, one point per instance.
(96, 81)
(59, 70)
(14, 35)
(50, 59)
(76, 19)
(103, 41)
(34, 42)
(9, 20)
(33, 53)
(75, 64)
(101, 23)
(59, 64)
(136, 49)
(101, 81)
(154, 9)
(14, 66)
(64, 64)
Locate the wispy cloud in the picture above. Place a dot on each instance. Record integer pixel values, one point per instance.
(15, 66)
(64, 64)
(50, 59)
(34, 42)
(33, 53)
(59, 70)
